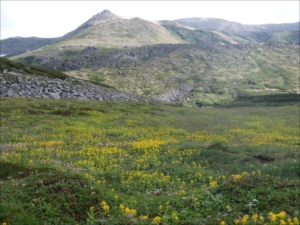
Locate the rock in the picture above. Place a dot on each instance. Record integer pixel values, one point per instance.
(89, 50)
(41, 87)
(55, 95)
(14, 86)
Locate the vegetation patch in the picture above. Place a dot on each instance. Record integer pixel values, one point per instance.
(102, 162)
(9, 65)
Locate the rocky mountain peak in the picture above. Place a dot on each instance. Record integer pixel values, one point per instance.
(105, 14)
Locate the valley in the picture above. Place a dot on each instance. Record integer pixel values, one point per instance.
(123, 120)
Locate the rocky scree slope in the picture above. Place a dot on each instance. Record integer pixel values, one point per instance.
(19, 83)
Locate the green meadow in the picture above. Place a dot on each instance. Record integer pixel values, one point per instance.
(107, 162)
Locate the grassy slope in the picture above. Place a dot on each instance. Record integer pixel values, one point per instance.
(9, 65)
(217, 74)
(60, 160)
(108, 34)
(19, 45)
(252, 33)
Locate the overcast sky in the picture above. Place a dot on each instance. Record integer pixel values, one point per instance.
(56, 18)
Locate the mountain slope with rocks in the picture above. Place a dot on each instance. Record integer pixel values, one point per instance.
(18, 80)
(204, 62)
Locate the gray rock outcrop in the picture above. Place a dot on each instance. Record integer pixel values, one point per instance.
(14, 84)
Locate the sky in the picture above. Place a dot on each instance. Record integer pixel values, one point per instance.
(56, 18)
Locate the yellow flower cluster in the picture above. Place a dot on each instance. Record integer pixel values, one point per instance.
(213, 184)
(105, 207)
(140, 158)
(127, 211)
(175, 217)
(257, 133)
(279, 218)
(157, 220)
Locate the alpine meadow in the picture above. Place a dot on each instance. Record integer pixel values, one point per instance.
(122, 121)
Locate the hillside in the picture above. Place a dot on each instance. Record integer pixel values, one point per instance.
(20, 80)
(202, 75)
(18, 45)
(191, 62)
(252, 33)
(287, 36)
(108, 30)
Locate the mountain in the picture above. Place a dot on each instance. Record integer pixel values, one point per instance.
(18, 45)
(107, 30)
(286, 36)
(204, 62)
(253, 33)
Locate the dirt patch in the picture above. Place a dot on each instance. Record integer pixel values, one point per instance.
(264, 158)
(10, 147)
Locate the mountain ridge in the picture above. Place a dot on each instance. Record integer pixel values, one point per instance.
(175, 62)
(260, 33)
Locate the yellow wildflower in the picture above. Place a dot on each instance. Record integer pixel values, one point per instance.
(261, 218)
(103, 203)
(228, 208)
(175, 217)
(156, 220)
(106, 208)
(143, 218)
(213, 184)
(282, 222)
(222, 223)
(236, 221)
(281, 214)
(127, 210)
(245, 218)
(272, 216)
(133, 211)
(254, 218)
(122, 207)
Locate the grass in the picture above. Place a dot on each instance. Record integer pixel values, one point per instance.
(10, 65)
(87, 162)
(217, 74)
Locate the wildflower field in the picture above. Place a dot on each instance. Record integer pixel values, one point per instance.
(88, 162)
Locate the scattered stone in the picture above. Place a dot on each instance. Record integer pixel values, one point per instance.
(43, 87)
